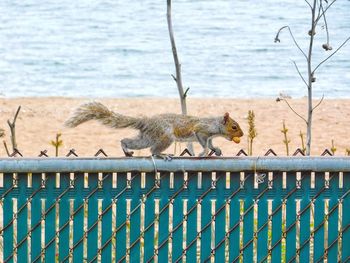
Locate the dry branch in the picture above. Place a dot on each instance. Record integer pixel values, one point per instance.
(294, 40)
(12, 126)
(6, 149)
(178, 77)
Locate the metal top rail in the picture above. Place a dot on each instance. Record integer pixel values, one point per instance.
(148, 164)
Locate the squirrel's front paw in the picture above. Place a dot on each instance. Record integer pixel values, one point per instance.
(202, 154)
(128, 154)
(165, 157)
(217, 152)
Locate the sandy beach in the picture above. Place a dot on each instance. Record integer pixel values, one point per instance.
(40, 119)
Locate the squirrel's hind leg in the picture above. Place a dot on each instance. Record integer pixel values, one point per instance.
(160, 145)
(136, 143)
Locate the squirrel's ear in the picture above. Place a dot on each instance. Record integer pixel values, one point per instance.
(226, 116)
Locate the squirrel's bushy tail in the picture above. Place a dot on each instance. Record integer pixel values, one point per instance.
(97, 111)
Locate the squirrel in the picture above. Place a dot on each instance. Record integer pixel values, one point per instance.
(160, 131)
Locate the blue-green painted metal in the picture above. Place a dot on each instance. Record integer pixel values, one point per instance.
(68, 221)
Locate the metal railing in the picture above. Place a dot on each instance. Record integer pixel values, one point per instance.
(241, 209)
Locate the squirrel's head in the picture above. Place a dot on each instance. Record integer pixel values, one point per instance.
(232, 130)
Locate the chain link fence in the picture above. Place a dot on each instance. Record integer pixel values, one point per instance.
(236, 209)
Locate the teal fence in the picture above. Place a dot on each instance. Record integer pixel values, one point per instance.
(268, 209)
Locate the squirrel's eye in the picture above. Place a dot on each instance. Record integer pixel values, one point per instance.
(234, 127)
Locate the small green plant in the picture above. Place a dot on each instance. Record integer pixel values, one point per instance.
(252, 131)
(286, 141)
(57, 143)
(333, 148)
(303, 148)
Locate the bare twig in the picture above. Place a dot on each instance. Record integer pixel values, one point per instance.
(174, 78)
(319, 10)
(6, 149)
(2, 133)
(186, 91)
(12, 126)
(295, 42)
(319, 103)
(308, 4)
(301, 76)
(325, 10)
(331, 55)
(303, 148)
(325, 23)
(290, 107)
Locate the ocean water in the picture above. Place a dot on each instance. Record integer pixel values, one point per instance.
(121, 48)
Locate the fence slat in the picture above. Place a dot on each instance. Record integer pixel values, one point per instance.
(319, 216)
(8, 216)
(78, 219)
(291, 216)
(220, 217)
(22, 219)
(135, 218)
(163, 234)
(121, 233)
(346, 219)
(92, 215)
(121, 217)
(234, 226)
(64, 219)
(248, 222)
(178, 219)
(149, 241)
(262, 224)
(206, 221)
(333, 218)
(50, 217)
(277, 216)
(106, 240)
(36, 219)
(305, 219)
